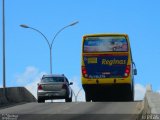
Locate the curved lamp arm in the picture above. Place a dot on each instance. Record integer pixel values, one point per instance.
(25, 26)
(74, 23)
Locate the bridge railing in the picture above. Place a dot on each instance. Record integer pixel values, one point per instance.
(151, 108)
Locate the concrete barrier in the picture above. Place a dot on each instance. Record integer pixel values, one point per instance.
(16, 95)
(151, 108)
(3, 99)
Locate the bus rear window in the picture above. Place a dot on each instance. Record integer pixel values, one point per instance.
(105, 44)
(53, 79)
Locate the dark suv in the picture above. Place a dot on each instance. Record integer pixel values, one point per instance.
(54, 87)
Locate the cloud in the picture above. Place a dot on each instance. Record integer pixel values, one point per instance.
(32, 86)
(31, 76)
(27, 76)
(78, 94)
(29, 79)
(139, 91)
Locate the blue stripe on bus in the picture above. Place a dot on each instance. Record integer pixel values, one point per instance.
(105, 66)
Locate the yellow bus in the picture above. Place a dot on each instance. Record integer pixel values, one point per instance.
(107, 67)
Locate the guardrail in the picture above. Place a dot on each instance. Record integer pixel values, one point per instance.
(151, 110)
(16, 95)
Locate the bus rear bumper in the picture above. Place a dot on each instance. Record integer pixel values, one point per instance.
(104, 87)
(111, 92)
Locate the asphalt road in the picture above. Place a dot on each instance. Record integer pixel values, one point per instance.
(73, 111)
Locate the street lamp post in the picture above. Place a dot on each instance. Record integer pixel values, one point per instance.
(4, 64)
(76, 95)
(49, 44)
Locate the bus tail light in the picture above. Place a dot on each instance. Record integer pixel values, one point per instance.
(84, 72)
(127, 71)
(39, 87)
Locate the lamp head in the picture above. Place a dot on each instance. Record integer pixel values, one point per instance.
(74, 23)
(24, 26)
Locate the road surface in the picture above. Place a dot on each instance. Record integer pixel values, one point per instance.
(73, 111)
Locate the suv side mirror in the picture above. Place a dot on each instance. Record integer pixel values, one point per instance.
(71, 83)
(135, 71)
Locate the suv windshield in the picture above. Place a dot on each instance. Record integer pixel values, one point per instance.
(53, 79)
(105, 44)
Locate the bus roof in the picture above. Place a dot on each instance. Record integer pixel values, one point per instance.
(105, 34)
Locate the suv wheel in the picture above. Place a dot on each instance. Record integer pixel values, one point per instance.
(68, 99)
(40, 100)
